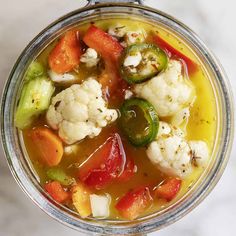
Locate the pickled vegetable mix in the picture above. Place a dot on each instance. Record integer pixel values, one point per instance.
(118, 118)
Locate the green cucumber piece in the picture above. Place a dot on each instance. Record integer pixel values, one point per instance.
(35, 70)
(139, 121)
(59, 175)
(35, 99)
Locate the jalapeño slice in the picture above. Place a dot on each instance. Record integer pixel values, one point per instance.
(153, 61)
(139, 121)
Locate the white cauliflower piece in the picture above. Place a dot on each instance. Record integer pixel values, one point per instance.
(133, 37)
(90, 57)
(130, 36)
(164, 129)
(100, 205)
(200, 153)
(133, 60)
(181, 117)
(117, 31)
(168, 92)
(61, 78)
(68, 150)
(80, 111)
(173, 155)
(128, 94)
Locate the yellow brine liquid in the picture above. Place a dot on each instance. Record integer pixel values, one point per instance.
(202, 124)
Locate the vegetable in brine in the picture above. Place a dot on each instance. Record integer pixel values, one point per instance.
(35, 99)
(48, 146)
(141, 62)
(60, 176)
(56, 191)
(134, 203)
(35, 70)
(139, 121)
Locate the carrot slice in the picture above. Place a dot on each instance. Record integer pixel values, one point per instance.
(191, 65)
(66, 54)
(56, 191)
(47, 145)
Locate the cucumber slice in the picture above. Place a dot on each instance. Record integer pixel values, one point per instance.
(35, 70)
(59, 175)
(35, 99)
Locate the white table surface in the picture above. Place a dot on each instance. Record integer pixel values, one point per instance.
(213, 20)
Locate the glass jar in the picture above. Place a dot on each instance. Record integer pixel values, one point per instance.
(19, 162)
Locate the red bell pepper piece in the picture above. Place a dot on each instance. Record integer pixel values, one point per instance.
(169, 189)
(66, 54)
(134, 203)
(129, 171)
(110, 50)
(105, 164)
(56, 191)
(191, 65)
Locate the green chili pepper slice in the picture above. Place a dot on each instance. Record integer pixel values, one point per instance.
(139, 121)
(153, 61)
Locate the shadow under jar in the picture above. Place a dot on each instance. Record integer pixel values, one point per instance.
(222, 134)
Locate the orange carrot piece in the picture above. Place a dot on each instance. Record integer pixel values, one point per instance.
(47, 145)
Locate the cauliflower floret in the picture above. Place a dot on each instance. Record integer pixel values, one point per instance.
(128, 94)
(130, 37)
(80, 111)
(61, 78)
(90, 57)
(117, 31)
(200, 153)
(168, 92)
(68, 150)
(181, 117)
(133, 37)
(173, 155)
(100, 205)
(133, 60)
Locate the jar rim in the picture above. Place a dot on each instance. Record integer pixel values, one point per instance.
(30, 186)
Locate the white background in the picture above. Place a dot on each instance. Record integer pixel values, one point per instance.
(213, 20)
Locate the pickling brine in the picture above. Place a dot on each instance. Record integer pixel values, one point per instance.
(118, 118)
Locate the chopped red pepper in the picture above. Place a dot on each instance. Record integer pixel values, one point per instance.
(66, 54)
(191, 65)
(103, 43)
(169, 189)
(129, 171)
(56, 191)
(110, 50)
(134, 203)
(105, 164)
